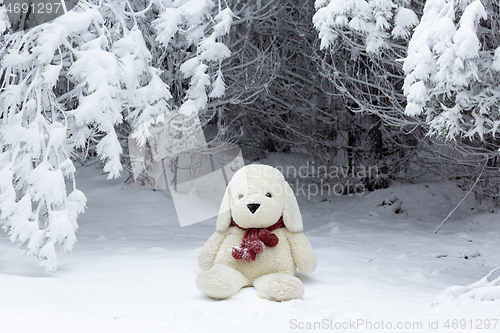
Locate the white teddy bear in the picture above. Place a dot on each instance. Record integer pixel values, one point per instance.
(258, 239)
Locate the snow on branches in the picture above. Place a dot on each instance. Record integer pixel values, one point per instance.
(449, 79)
(375, 20)
(451, 69)
(68, 84)
(75, 84)
(189, 21)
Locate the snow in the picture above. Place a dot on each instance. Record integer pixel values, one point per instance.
(225, 19)
(418, 92)
(108, 144)
(404, 20)
(133, 268)
(51, 74)
(46, 183)
(218, 87)
(166, 25)
(373, 19)
(212, 50)
(467, 44)
(76, 21)
(4, 20)
(496, 60)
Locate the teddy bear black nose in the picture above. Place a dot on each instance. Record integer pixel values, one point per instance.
(253, 207)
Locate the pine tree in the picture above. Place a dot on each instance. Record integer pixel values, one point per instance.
(376, 21)
(68, 88)
(450, 78)
(201, 24)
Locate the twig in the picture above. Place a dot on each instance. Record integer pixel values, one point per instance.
(454, 209)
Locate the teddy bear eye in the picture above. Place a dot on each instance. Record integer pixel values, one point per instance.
(240, 196)
(268, 195)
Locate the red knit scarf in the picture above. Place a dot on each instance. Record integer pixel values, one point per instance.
(255, 241)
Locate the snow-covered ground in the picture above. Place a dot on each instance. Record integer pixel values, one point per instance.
(134, 268)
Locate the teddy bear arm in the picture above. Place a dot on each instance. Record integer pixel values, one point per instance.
(209, 251)
(302, 252)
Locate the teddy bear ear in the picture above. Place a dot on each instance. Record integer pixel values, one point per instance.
(224, 218)
(291, 212)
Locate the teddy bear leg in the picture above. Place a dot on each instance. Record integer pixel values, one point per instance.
(221, 281)
(279, 287)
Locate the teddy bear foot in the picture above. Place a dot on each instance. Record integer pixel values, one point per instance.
(279, 287)
(221, 281)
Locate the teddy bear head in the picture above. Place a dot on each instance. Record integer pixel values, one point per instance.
(256, 197)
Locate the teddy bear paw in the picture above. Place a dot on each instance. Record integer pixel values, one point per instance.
(220, 282)
(279, 287)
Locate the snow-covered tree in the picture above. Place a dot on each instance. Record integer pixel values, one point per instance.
(66, 83)
(364, 41)
(69, 87)
(191, 35)
(443, 83)
(450, 78)
(375, 20)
